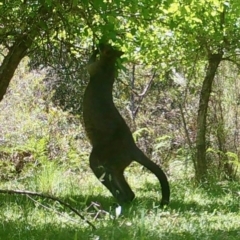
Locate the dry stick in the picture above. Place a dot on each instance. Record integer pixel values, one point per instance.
(48, 197)
(50, 209)
(145, 90)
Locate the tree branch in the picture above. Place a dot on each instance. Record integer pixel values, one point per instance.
(145, 90)
(42, 195)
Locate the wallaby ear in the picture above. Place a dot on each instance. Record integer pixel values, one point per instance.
(119, 53)
(104, 49)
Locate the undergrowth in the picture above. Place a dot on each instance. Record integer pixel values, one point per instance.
(194, 212)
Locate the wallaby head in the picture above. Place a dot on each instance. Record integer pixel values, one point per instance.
(107, 58)
(109, 53)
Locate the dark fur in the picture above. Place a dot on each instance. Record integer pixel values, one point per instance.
(113, 147)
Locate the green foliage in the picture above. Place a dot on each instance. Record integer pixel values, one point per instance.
(162, 141)
(139, 132)
(233, 158)
(34, 131)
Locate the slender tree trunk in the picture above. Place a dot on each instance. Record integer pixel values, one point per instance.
(132, 98)
(224, 163)
(201, 163)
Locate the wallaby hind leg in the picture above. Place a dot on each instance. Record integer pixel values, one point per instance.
(112, 178)
(126, 193)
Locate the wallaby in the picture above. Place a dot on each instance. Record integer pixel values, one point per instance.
(113, 147)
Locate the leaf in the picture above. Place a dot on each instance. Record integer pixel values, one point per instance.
(49, 2)
(198, 20)
(173, 8)
(74, 3)
(139, 132)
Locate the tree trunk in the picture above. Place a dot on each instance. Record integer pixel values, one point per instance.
(132, 97)
(11, 61)
(201, 163)
(20, 46)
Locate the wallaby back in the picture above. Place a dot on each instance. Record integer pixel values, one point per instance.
(101, 118)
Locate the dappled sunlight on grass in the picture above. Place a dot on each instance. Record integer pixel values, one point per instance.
(192, 214)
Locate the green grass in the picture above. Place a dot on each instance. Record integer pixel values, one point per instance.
(194, 213)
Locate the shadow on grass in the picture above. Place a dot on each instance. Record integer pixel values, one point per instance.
(106, 228)
(178, 205)
(211, 197)
(146, 201)
(15, 230)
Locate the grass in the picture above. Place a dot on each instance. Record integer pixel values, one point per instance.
(194, 213)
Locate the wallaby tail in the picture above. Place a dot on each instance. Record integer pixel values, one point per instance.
(141, 158)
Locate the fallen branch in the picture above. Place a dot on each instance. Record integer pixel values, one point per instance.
(42, 195)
